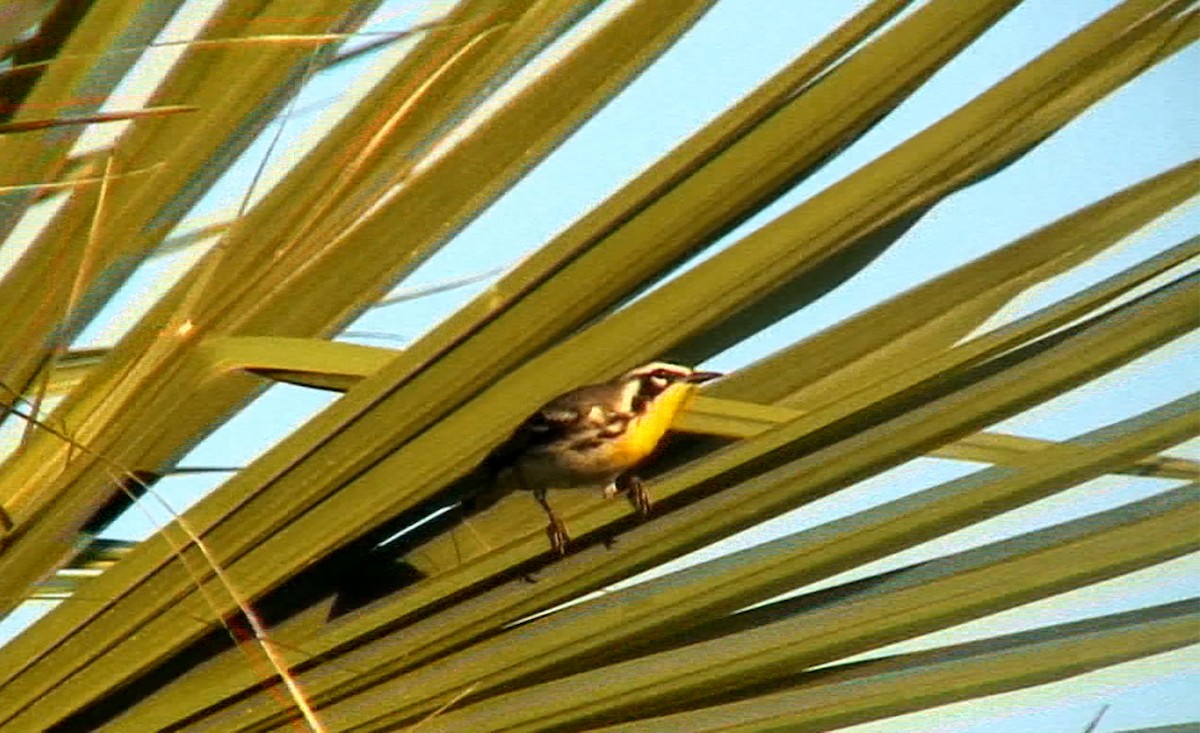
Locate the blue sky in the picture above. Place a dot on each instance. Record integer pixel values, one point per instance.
(1151, 125)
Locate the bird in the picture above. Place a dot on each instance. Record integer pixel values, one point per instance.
(595, 436)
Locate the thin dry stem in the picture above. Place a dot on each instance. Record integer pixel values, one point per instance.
(120, 476)
(177, 549)
(91, 249)
(78, 182)
(350, 172)
(256, 625)
(41, 124)
(1095, 722)
(269, 648)
(436, 288)
(443, 708)
(184, 327)
(35, 405)
(267, 39)
(82, 276)
(287, 115)
(207, 270)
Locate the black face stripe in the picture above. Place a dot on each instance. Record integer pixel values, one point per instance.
(648, 389)
(653, 384)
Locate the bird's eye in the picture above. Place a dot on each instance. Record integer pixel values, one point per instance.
(659, 381)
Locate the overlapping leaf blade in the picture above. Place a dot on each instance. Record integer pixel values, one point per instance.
(900, 381)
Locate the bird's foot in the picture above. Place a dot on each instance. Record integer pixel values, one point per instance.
(631, 486)
(558, 536)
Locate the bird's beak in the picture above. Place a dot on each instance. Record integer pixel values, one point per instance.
(701, 377)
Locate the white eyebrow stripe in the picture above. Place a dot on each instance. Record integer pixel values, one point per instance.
(647, 369)
(628, 392)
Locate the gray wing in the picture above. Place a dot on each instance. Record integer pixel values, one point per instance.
(561, 419)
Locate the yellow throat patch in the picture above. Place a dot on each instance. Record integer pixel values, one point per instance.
(644, 433)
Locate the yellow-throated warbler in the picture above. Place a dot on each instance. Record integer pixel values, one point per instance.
(595, 436)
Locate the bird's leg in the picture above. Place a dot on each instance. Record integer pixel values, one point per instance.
(630, 484)
(557, 530)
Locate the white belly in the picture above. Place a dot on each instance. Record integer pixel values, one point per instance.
(577, 469)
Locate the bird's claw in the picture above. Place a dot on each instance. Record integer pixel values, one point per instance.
(632, 486)
(641, 500)
(558, 536)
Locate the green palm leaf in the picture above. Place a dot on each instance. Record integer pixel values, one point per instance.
(450, 636)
